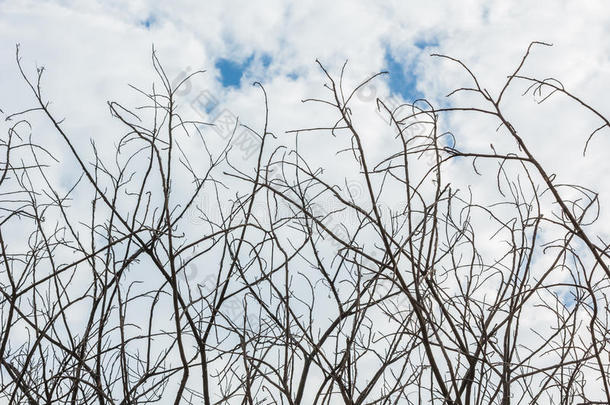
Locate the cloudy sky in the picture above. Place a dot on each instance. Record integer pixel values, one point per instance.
(93, 50)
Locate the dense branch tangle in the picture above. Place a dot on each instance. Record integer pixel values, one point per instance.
(162, 276)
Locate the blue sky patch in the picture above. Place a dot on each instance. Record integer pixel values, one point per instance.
(266, 60)
(569, 299)
(232, 71)
(148, 22)
(402, 80)
(426, 43)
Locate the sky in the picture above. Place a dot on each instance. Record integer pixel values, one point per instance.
(93, 50)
